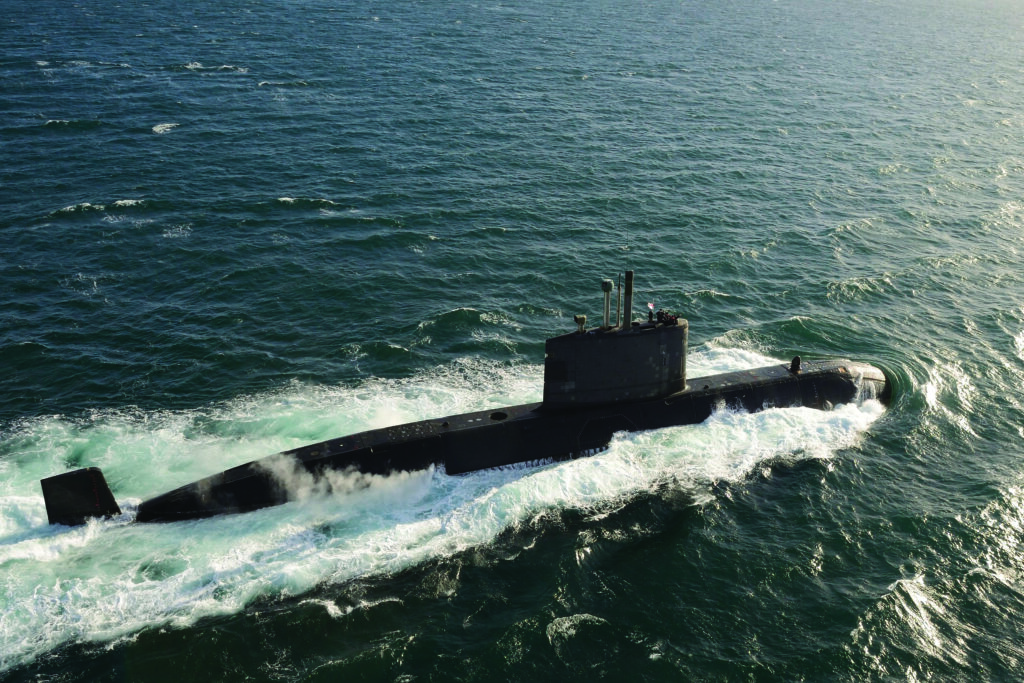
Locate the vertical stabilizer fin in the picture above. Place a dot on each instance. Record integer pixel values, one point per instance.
(73, 497)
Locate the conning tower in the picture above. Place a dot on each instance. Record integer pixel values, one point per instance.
(625, 362)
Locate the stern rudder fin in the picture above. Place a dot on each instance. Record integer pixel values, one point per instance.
(73, 497)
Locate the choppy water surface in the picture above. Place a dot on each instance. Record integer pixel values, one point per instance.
(235, 229)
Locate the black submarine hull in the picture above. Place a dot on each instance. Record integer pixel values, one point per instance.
(511, 435)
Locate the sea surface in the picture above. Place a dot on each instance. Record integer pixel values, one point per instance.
(230, 228)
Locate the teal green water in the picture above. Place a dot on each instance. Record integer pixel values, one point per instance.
(234, 229)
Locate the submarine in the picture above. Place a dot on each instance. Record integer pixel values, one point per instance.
(628, 376)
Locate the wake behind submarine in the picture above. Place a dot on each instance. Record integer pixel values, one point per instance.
(622, 377)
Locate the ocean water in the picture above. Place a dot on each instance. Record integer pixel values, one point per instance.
(240, 227)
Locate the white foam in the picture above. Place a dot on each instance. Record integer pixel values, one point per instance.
(109, 579)
(198, 66)
(321, 202)
(84, 206)
(178, 231)
(162, 128)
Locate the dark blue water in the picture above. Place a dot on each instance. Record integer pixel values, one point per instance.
(240, 227)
